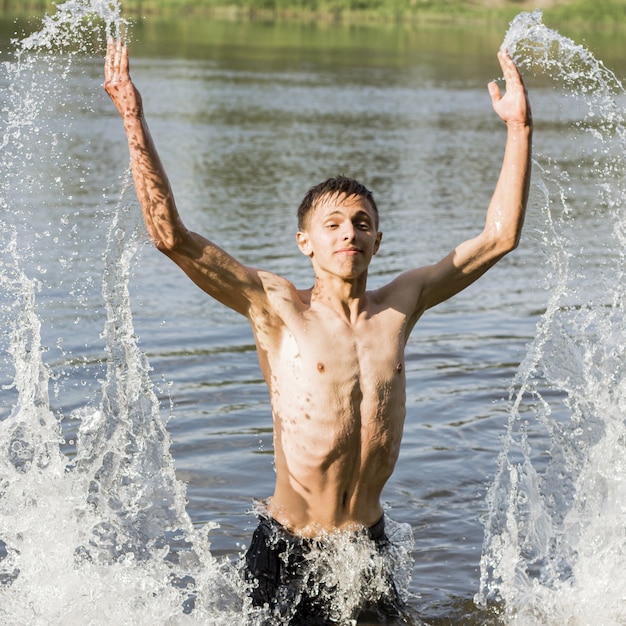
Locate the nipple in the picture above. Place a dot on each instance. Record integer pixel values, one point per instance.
(320, 367)
(399, 367)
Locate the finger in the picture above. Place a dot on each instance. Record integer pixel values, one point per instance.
(116, 56)
(506, 64)
(494, 91)
(120, 59)
(124, 59)
(108, 61)
(509, 69)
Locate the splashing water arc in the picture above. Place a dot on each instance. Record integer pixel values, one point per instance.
(553, 550)
(110, 521)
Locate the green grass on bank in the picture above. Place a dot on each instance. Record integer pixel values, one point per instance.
(597, 13)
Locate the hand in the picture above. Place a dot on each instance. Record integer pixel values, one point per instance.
(513, 107)
(117, 81)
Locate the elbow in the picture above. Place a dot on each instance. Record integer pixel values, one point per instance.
(510, 243)
(505, 246)
(501, 246)
(504, 238)
(165, 245)
(169, 237)
(168, 243)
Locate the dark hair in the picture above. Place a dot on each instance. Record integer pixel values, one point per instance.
(336, 186)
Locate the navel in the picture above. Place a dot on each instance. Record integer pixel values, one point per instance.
(320, 367)
(399, 368)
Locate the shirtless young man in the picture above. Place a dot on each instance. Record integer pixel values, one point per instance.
(332, 355)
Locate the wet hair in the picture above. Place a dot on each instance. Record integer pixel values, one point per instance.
(336, 186)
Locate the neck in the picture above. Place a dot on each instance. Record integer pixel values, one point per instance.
(346, 297)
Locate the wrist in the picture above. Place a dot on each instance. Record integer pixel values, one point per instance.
(131, 118)
(524, 126)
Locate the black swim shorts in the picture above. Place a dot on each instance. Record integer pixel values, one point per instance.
(279, 574)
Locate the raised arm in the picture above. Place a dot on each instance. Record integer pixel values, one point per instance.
(505, 214)
(212, 269)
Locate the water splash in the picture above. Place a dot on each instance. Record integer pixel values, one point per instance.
(105, 535)
(554, 537)
(100, 535)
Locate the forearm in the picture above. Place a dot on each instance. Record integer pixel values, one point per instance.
(505, 215)
(152, 185)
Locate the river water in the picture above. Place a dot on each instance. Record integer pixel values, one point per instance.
(104, 340)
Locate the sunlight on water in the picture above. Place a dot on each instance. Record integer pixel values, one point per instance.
(555, 534)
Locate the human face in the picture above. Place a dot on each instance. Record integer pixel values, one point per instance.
(341, 236)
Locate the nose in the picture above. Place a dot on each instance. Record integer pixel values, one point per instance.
(348, 231)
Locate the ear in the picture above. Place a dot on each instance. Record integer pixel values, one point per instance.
(379, 238)
(304, 243)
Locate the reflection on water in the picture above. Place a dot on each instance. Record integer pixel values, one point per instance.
(247, 117)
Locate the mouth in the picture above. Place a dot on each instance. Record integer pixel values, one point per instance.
(349, 251)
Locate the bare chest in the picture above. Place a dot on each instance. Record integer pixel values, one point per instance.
(327, 354)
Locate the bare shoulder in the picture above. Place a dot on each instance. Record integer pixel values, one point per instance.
(405, 290)
(275, 285)
(422, 288)
(280, 297)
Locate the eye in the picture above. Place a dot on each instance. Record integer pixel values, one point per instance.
(331, 225)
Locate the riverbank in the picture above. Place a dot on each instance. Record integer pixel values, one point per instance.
(584, 13)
